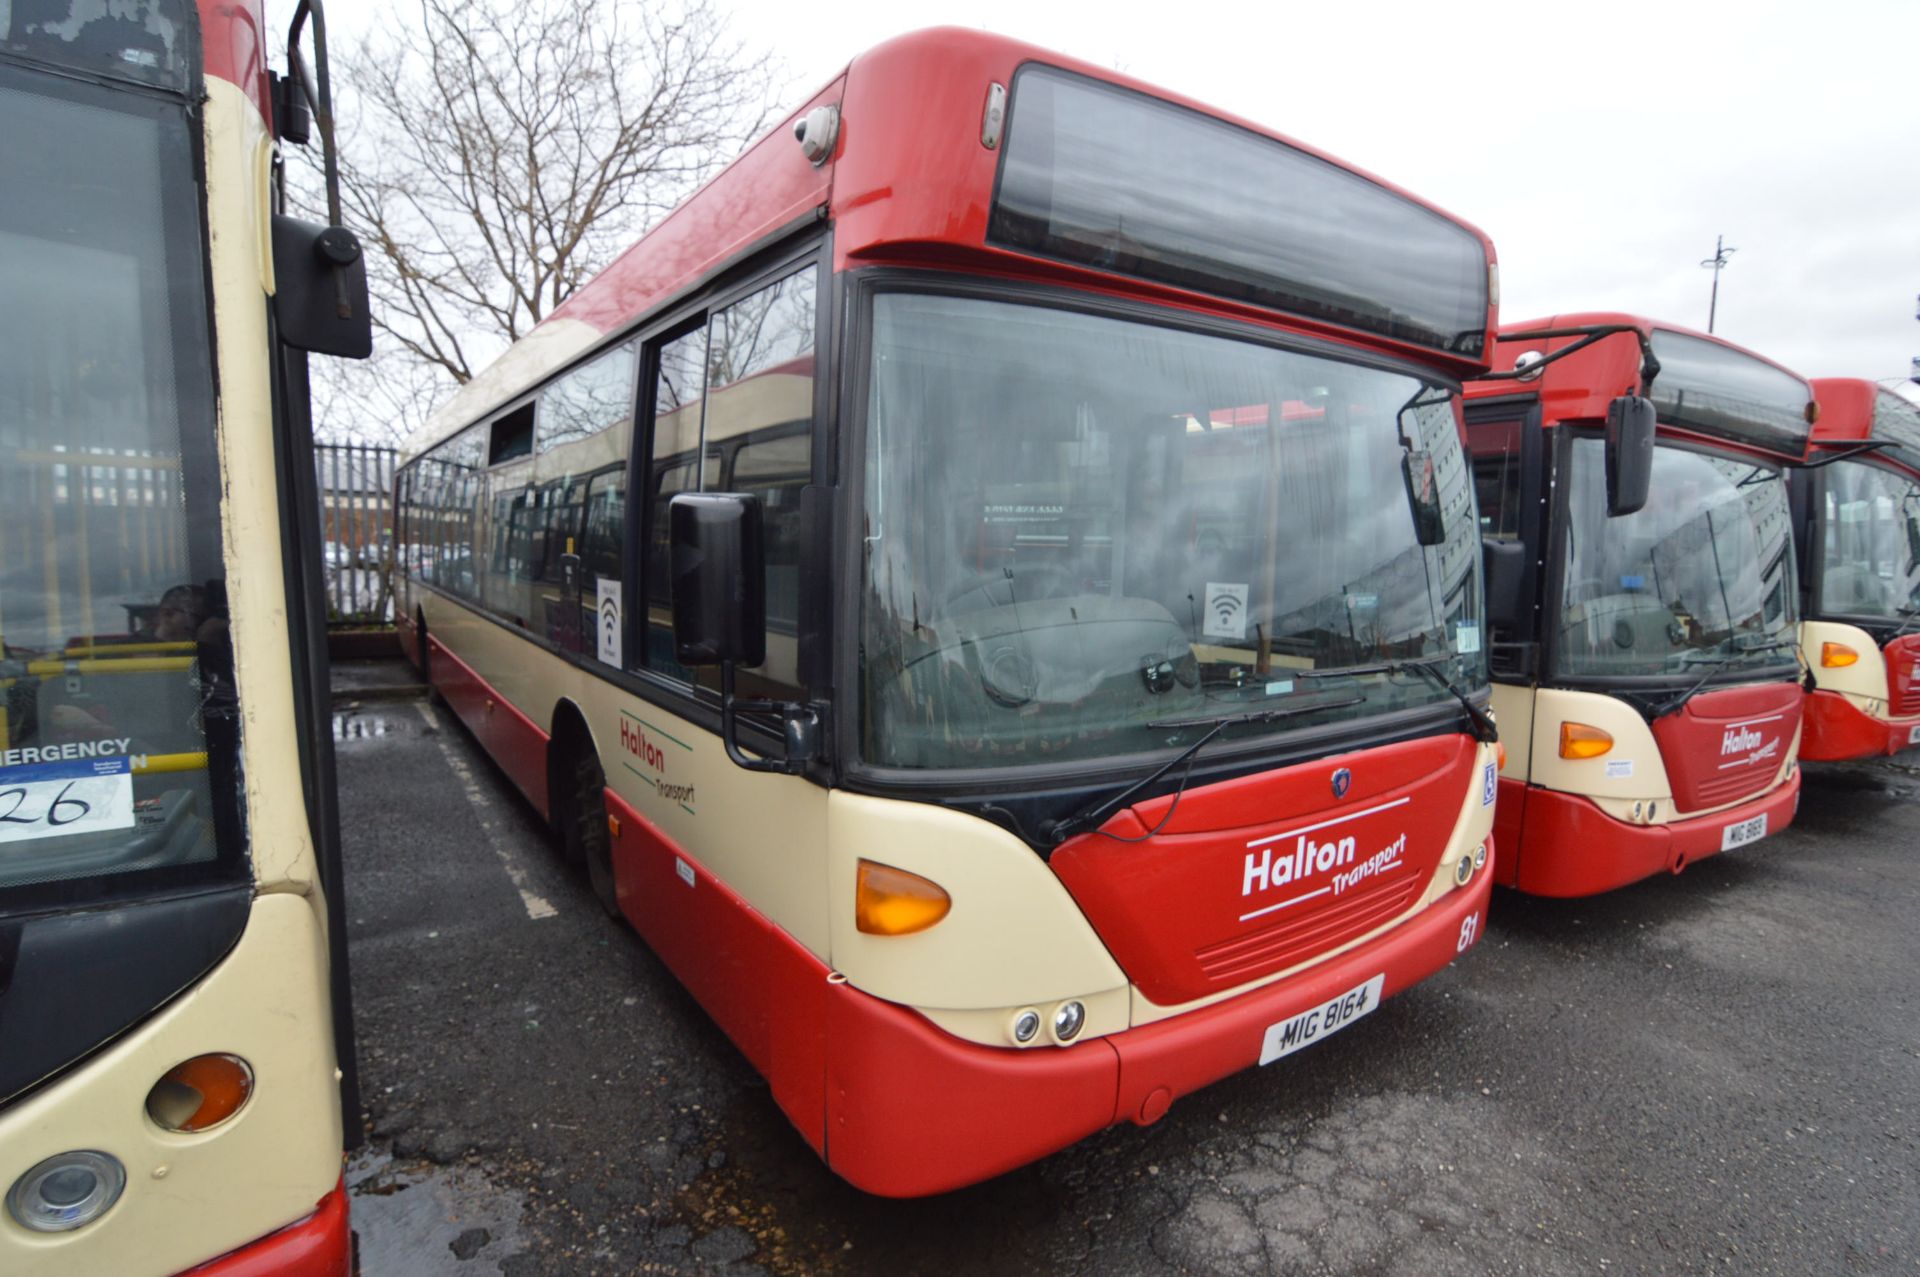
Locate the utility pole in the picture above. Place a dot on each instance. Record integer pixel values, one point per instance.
(1715, 264)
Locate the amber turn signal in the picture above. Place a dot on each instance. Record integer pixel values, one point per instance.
(200, 1093)
(1577, 740)
(1500, 756)
(1835, 656)
(893, 902)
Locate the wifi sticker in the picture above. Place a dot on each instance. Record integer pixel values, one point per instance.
(1225, 611)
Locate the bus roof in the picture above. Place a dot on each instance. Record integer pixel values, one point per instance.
(910, 181)
(1704, 383)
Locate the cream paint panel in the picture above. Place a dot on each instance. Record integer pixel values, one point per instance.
(1632, 742)
(1865, 681)
(283, 857)
(764, 835)
(553, 344)
(1513, 711)
(189, 1198)
(1107, 1012)
(1471, 828)
(1014, 937)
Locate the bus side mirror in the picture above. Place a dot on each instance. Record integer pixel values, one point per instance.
(719, 579)
(1630, 423)
(320, 289)
(1505, 562)
(1423, 496)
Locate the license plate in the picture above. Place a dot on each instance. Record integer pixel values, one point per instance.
(1913, 736)
(1329, 1017)
(1743, 832)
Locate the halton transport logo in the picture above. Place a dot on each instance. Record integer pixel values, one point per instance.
(1746, 746)
(1291, 860)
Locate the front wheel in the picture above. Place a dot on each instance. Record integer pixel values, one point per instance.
(584, 830)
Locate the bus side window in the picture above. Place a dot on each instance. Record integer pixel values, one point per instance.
(1495, 448)
(760, 420)
(678, 395)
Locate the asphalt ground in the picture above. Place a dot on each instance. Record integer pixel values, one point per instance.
(1714, 1072)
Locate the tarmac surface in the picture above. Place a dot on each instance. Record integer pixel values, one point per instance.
(1713, 1072)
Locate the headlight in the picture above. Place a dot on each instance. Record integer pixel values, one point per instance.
(67, 1191)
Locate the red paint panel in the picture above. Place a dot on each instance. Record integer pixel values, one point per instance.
(1261, 873)
(1725, 745)
(509, 737)
(1176, 1057)
(233, 43)
(1508, 817)
(1835, 729)
(318, 1246)
(771, 186)
(1575, 849)
(760, 985)
(1903, 675)
(912, 1110)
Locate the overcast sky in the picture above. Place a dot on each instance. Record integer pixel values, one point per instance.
(1601, 146)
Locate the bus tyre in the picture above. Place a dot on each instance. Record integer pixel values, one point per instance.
(426, 659)
(584, 829)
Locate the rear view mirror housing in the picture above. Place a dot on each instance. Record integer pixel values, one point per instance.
(1630, 428)
(718, 563)
(320, 289)
(1504, 561)
(1423, 496)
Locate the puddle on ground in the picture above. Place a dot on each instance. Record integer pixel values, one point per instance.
(354, 724)
(417, 1219)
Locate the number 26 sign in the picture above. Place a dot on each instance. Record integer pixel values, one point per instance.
(54, 800)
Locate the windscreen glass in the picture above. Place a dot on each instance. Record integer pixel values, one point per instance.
(1717, 390)
(1702, 575)
(1898, 420)
(119, 746)
(1087, 537)
(1113, 179)
(1870, 543)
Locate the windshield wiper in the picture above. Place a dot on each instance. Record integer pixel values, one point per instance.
(1675, 702)
(1055, 832)
(1485, 730)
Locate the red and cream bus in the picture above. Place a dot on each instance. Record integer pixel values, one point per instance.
(1857, 516)
(989, 589)
(1641, 596)
(173, 1047)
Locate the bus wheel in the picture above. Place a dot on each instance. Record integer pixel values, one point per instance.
(584, 828)
(426, 658)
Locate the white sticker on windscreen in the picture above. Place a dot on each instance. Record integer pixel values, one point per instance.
(59, 799)
(1226, 610)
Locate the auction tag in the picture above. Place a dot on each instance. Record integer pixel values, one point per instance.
(77, 796)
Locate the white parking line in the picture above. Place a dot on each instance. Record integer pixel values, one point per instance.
(537, 906)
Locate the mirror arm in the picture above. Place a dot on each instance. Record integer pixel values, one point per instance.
(1842, 454)
(730, 708)
(1588, 334)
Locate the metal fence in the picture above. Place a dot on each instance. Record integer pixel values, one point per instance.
(356, 529)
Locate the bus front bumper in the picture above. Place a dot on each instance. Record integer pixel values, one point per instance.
(321, 1245)
(1569, 847)
(1833, 729)
(912, 1110)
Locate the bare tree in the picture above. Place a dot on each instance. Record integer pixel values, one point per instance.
(495, 154)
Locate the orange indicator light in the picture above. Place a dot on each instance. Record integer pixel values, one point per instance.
(1837, 655)
(200, 1093)
(893, 902)
(1500, 756)
(1578, 740)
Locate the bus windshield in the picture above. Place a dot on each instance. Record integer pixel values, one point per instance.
(1871, 536)
(1084, 536)
(1703, 574)
(119, 742)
